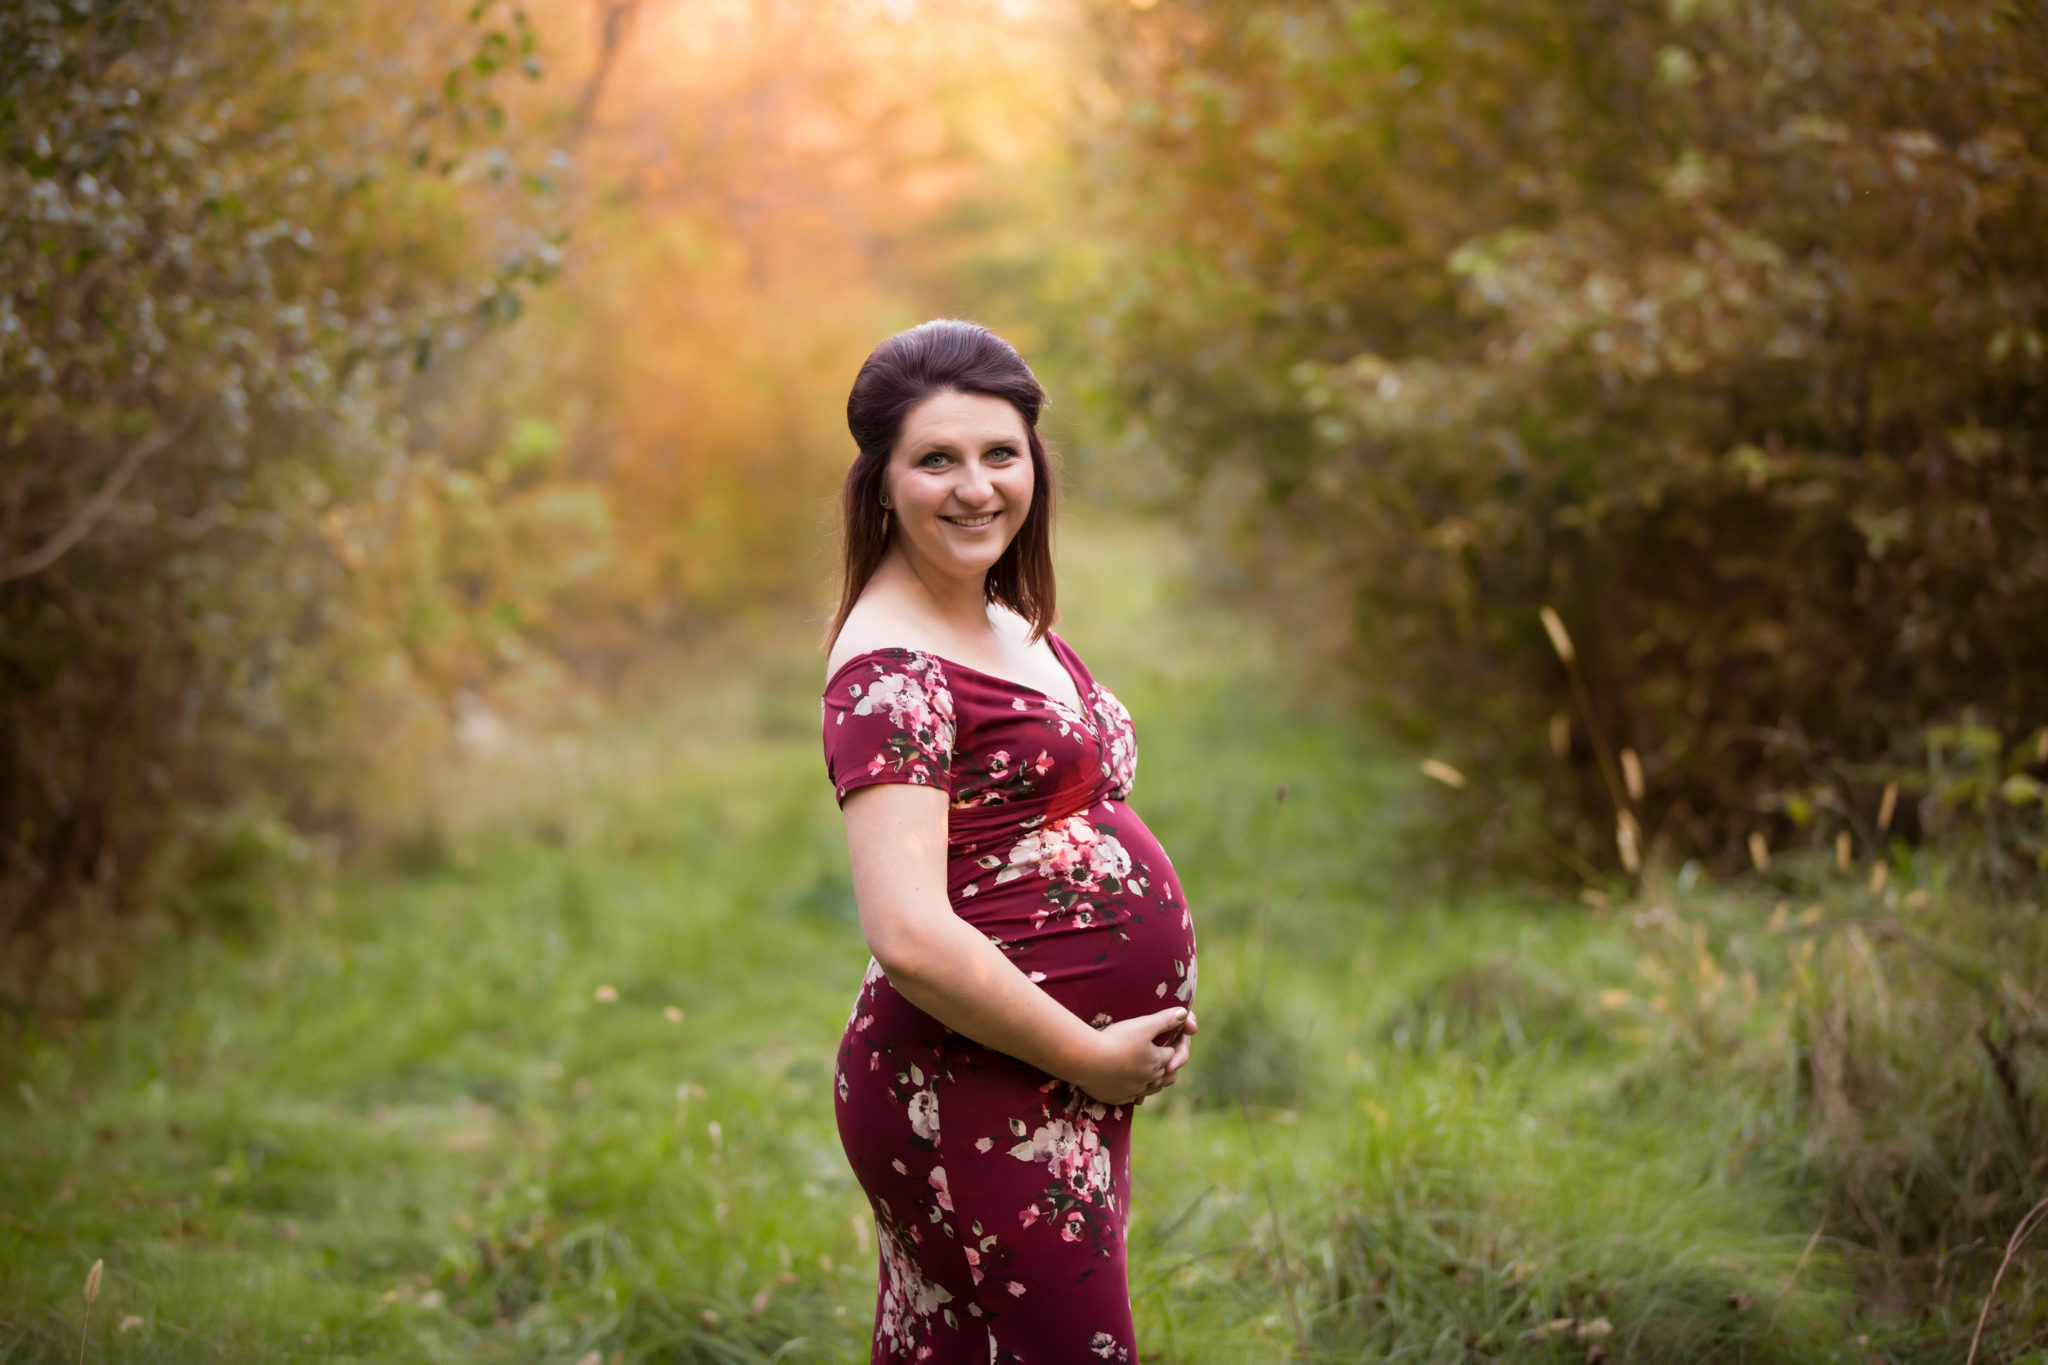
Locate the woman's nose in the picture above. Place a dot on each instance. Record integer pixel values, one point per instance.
(975, 486)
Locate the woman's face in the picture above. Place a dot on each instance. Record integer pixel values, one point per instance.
(959, 482)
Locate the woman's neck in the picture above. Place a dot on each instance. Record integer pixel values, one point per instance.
(958, 606)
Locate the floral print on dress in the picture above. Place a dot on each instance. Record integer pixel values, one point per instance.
(1001, 1194)
(1106, 1346)
(1079, 1198)
(999, 778)
(1120, 741)
(917, 744)
(909, 1301)
(1088, 867)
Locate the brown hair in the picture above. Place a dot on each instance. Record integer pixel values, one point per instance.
(943, 356)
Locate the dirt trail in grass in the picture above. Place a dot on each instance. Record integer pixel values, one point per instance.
(558, 1085)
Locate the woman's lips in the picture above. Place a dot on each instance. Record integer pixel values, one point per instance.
(971, 523)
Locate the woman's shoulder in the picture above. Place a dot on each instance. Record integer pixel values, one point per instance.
(882, 625)
(883, 659)
(878, 644)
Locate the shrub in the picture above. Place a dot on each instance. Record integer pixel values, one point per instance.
(1718, 326)
(227, 244)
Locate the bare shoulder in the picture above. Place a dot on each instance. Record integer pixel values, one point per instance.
(875, 623)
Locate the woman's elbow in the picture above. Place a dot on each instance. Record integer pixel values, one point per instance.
(903, 951)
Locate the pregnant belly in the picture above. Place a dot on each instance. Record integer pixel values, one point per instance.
(1088, 907)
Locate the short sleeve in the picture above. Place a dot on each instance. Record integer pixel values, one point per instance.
(888, 717)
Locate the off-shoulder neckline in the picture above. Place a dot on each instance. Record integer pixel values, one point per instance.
(1060, 651)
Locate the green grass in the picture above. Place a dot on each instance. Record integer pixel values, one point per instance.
(441, 1113)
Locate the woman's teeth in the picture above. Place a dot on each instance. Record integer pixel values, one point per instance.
(970, 523)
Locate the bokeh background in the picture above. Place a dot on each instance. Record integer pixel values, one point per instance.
(1562, 485)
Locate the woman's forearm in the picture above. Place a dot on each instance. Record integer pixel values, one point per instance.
(951, 971)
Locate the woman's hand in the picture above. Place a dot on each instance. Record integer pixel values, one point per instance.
(1180, 1053)
(1130, 1062)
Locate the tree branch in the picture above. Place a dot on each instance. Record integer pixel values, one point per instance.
(97, 506)
(615, 16)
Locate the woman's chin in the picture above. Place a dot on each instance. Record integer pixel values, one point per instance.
(976, 566)
(969, 560)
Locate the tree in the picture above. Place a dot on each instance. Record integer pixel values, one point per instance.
(230, 234)
(1719, 327)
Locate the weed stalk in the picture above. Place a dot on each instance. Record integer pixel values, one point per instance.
(2012, 1245)
(92, 1292)
(1283, 1276)
(1266, 897)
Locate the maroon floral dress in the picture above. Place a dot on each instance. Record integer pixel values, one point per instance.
(1001, 1195)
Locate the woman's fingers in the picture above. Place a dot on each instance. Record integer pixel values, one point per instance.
(1179, 1058)
(1139, 1064)
(1166, 1020)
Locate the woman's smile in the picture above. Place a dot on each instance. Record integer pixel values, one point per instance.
(972, 522)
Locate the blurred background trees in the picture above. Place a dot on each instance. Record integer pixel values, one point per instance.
(1717, 326)
(232, 235)
(765, 191)
(307, 488)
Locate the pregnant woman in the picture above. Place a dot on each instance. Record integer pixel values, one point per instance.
(1034, 961)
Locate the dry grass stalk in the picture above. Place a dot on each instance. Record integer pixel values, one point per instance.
(1628, 837)
(1444, 773)
(1793, 1278)
(1632, 774)
(1887, 807)
(1277, 1263)
(1562, 643)
(1553, 626)
(2012, 1245)
(1844, 847)
(1759, 851)
(1561, 735)
(1878, 876)
(92, 1292)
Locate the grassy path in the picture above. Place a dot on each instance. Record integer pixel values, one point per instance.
(561, 1085)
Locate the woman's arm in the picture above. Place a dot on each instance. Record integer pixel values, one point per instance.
(896, 836)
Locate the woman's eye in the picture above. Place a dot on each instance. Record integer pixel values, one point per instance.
(933, 460)
(1001, 453)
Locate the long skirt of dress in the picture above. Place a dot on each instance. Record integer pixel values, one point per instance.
(1009, 1246)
